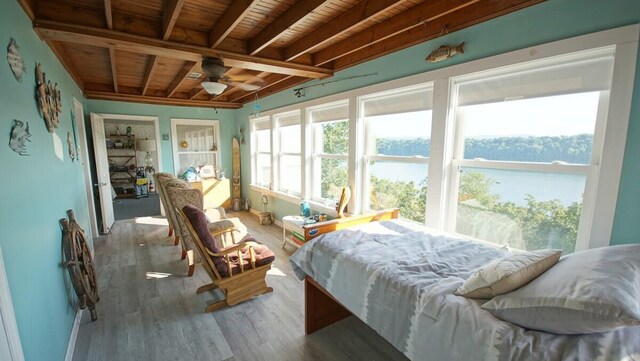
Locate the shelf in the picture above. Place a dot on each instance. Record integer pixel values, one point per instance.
(122, 164)
(198, 152)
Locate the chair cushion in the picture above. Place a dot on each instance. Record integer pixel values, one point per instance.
(264, 256)
(199, 223)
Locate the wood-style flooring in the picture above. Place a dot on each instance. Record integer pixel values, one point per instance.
(149, 309)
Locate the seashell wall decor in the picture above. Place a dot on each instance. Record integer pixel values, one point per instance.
(49, 100)
(15, 60)
(19, 137)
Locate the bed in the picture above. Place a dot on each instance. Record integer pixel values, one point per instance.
(399, 278)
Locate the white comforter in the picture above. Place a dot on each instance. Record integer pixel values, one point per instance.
(399, 278)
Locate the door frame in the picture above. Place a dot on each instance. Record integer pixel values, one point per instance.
(145, 118)
(7, 316)
(86, 166)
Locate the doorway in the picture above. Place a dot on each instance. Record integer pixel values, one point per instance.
(127, 152)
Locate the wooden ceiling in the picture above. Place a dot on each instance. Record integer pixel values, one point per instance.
(143, 51)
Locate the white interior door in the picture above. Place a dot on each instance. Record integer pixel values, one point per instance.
(10, 346)
(83, 155)
(102, 168)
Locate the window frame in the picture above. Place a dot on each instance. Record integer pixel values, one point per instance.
(279, 154)
(214, 123)
(317, 156)
(368, 158)
(603, 193)
(255, 153)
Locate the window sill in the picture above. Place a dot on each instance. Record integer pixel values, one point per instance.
(276, 194)
(315, 205)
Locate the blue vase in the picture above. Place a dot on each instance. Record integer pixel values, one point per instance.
(305, 210)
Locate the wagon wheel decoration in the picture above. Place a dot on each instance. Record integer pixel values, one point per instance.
(77, 259)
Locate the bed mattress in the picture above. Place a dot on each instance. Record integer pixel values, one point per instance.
(399, 278)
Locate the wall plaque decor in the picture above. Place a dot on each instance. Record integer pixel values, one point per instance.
(15, 60)
(19, 137)
(49, 100)
(70, 144)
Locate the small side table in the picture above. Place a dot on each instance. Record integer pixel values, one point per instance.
(292, 224)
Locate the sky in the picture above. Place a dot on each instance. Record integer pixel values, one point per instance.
(549, 116)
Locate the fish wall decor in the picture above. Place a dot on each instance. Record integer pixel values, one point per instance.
(445, 52)
(15, 60)
(19, 137)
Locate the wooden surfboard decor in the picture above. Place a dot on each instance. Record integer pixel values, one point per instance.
(236, 169)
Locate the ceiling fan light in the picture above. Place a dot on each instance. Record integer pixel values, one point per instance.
(213, 87)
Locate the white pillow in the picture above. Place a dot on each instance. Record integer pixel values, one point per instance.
(587, 292)
(507, 274)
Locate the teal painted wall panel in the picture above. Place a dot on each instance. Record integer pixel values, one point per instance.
(165, 113)
(35, 192)
(542, 23)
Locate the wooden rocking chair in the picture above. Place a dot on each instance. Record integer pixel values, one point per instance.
(238, 269)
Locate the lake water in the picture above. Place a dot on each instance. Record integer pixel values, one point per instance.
(512, 186)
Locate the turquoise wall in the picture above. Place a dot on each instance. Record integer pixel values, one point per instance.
(542, 23)
(30, 204)
(165, 113)
(35, 192)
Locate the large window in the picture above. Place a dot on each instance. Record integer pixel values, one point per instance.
(289, 152)
(523, 148)
(525, 141)
(261, 152)
(329, 170)
(397, 133)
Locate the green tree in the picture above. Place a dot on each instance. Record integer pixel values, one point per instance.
(544, 224)
(334, 171)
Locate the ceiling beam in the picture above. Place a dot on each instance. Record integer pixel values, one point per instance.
(473, 14)
(234, 14)
(153, 63)
(285, 84)
(170, 15)
(114, 73)
(89, 94)
(181, 77)
(29, 8)
(108, 14)
(79, 34)
(355, 16)
(416, 16)
(195, 92)
(294, 15)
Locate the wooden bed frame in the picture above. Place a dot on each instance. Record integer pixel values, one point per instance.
(320, 308)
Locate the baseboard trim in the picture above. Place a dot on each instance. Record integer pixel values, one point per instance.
(74, 336)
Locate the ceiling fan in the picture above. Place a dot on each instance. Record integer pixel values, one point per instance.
(217, 82)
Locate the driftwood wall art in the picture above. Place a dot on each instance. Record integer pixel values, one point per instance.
(15, 60)
(49, 100)
(19, 137)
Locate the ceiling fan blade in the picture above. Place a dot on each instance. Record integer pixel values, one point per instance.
(252, 83)
(244, 86)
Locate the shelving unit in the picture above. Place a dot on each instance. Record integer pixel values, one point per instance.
(121, 153)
